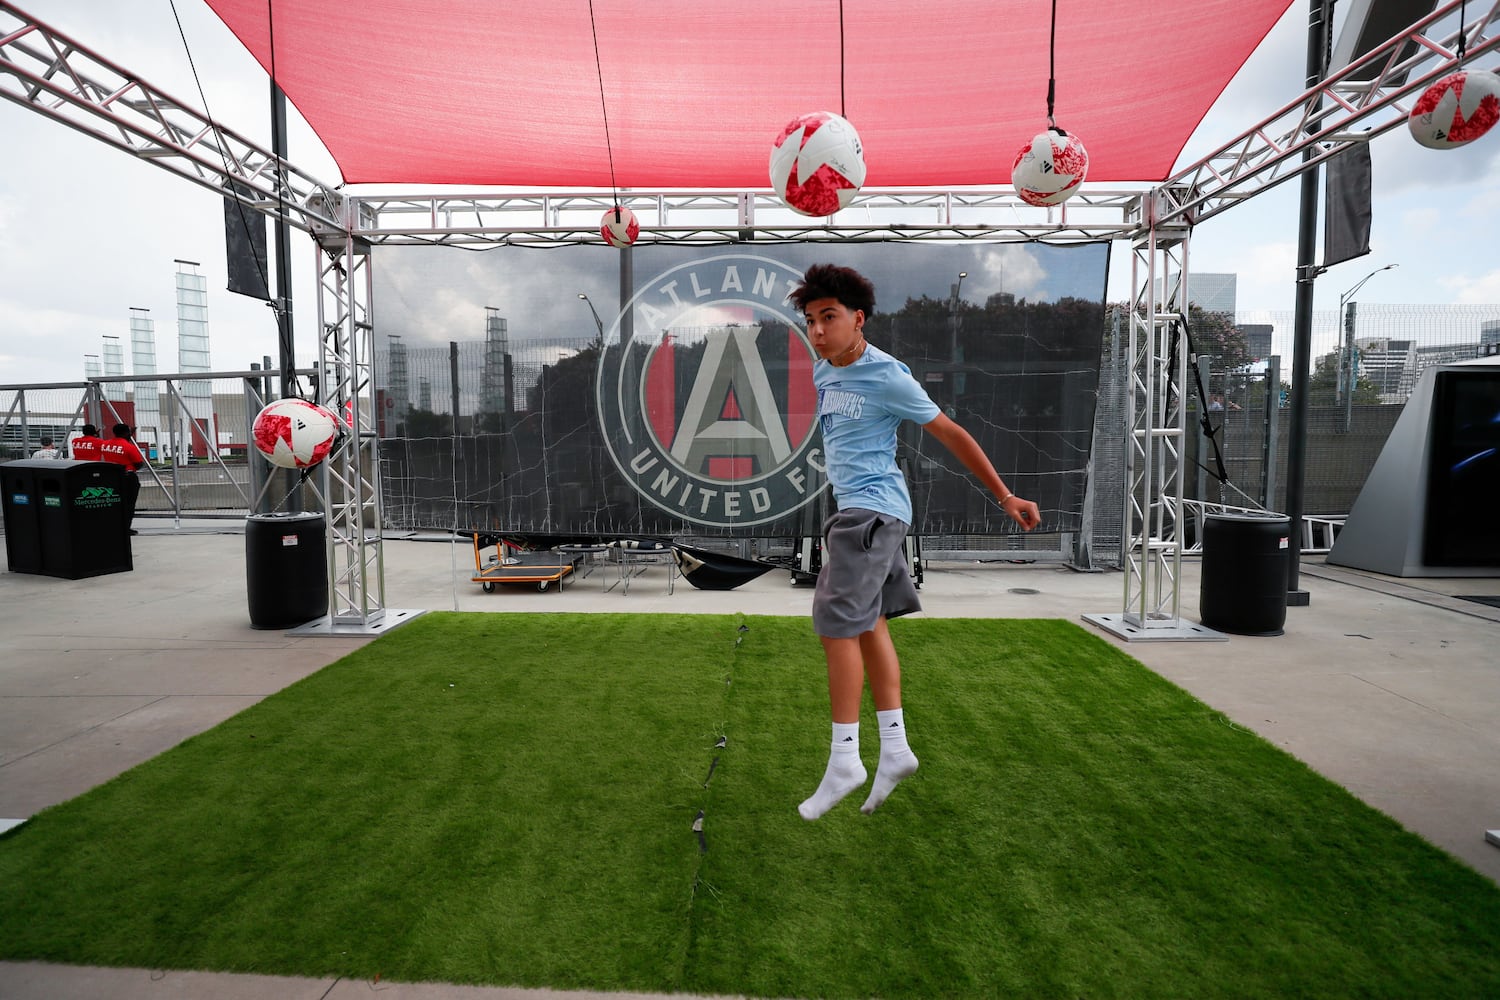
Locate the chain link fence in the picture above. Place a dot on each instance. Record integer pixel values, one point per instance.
(194, 433)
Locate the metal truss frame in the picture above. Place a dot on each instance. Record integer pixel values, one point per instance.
(1156, 372)
(350, 481)
(719, 216)
(56, 76)
(1375, 92)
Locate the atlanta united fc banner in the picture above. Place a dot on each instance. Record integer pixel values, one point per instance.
(706, 398)
(693, 411)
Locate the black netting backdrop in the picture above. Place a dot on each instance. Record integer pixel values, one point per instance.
(690, 413)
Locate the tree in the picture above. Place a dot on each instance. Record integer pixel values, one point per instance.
(1216, 336)
(1322, 387)
(422, 423)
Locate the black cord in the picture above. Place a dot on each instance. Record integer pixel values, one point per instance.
(1462, 31)
(608, 147)
(843, 107)
(1052, 67)
(1209, 430)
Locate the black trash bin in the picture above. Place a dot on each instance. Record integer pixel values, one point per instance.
(286, 569)
(73, 514)
(20, 502)
(1244, 580)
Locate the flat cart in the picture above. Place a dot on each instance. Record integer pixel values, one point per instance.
(508, 563)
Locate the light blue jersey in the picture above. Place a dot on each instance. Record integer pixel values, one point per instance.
(860, 408)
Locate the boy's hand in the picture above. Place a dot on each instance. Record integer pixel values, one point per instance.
(1023, 512)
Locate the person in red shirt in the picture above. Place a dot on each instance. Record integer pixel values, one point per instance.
(120, 450)
(86, 448)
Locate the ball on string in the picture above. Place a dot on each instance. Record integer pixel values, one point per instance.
(1050, 168)
(1456, 110)
(294, 434)
(619, 227)
(817, 163)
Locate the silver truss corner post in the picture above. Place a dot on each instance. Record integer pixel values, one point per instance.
(1155, 421)
(351, 475)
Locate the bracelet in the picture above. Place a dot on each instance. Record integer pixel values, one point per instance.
(1005, 498)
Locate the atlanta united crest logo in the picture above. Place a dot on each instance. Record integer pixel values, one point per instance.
(706, 397)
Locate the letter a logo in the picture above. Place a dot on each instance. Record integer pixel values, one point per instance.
(731, 414)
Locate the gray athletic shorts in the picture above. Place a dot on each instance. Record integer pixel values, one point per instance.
(864, 574)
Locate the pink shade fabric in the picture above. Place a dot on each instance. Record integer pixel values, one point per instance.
(943, 93)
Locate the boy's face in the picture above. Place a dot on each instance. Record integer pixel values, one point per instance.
(833, 327)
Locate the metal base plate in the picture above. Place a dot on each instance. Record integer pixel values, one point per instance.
(389, 619)
(1173, 630)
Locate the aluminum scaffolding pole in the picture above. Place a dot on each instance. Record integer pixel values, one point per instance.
(350, 480)
(1155, 421)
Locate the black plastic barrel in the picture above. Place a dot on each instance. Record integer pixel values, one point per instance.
(1244, 581)
(286, 569)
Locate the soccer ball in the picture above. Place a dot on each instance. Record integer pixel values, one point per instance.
(1456, 110)
(295, 434)
(1050, 168)
(619, 227)
(817, 163)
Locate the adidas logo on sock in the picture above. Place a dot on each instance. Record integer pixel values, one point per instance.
(894, 725)
(848, 739)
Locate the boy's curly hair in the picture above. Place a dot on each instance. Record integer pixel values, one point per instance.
(830, 281)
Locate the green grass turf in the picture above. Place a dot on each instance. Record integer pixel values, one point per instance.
(509, 799)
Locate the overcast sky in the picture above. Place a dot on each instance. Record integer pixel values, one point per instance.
(87, 232)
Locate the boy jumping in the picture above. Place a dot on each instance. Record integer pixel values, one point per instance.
(863, 395)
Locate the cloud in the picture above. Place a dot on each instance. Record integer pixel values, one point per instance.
(1009, 268)
(433, 295)
(1399, 166)
(1473, 289)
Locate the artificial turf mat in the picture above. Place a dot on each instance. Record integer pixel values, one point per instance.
(510, 799)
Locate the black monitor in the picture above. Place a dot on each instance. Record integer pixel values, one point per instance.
(1462, 526)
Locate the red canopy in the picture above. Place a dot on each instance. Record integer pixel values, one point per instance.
(942, 92)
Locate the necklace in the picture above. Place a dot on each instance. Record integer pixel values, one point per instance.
(835, 359)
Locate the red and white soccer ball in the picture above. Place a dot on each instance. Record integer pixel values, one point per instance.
(1050, 168)
(1456, 110)
(295, 434)
(619, 227)
(817, 163)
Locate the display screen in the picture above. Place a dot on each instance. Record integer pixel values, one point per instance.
(1463, 477)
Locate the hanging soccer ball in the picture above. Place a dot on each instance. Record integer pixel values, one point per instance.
(619, 227)
(1050, 168)
(817, 163)
(295, 434)
(1456, 110)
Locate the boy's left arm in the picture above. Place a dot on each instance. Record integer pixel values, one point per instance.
(963, 446)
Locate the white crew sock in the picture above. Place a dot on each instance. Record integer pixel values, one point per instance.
(896, 759)
(845, 772)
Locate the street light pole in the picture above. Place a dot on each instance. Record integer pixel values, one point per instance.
(1347, 307)
(597, 321)
(954, 356)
